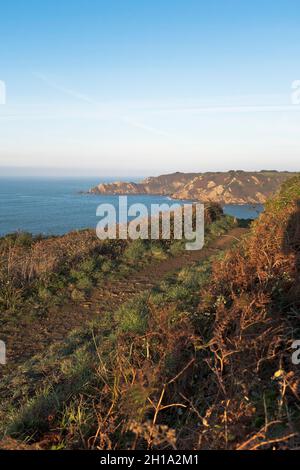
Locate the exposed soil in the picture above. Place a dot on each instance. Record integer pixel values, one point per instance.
(29, 338)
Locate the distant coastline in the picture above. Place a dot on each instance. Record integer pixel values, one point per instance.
(56, 206)
(233, 187)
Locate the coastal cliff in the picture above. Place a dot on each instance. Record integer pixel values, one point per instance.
(233, 187)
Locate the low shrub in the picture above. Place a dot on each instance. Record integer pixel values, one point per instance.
(133, 317)
(136, 250)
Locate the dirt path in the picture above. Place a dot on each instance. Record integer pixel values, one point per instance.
(29, 339)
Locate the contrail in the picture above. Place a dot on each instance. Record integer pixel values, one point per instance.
(82, 97)
(66, 91)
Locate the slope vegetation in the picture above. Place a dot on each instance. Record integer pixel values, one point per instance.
(202, 360)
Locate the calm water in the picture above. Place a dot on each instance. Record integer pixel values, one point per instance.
(245, 211)
(55, 206)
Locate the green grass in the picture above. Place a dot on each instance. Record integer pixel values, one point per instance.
(136, 250)
(75, 278)
(132, 318)
(60, 386)
(41, 387)
(50, 384)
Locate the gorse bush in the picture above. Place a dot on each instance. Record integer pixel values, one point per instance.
(84, 283)
(136, 250)
(107, 266)
(88, 265)
(177, 247)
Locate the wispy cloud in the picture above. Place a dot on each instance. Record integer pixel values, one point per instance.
(145, 127)
(230, 109)
(128, 112)
(83, 97)
(67, 91)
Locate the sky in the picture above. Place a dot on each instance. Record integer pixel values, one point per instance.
(114, 87)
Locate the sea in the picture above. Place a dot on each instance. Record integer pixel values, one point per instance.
(54, 206)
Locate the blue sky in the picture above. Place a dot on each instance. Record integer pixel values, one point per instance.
(143, 87)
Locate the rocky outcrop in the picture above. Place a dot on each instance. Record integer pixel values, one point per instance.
(164, 184)
(118, 188)
(233, 187)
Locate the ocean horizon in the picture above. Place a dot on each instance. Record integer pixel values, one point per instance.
(58, 205)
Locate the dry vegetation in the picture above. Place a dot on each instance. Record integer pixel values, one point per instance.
(203, 361)
(36, 272)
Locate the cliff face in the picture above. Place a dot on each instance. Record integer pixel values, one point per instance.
(233, 187)
(164, 184)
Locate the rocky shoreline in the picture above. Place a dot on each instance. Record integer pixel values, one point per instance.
(233, 187)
